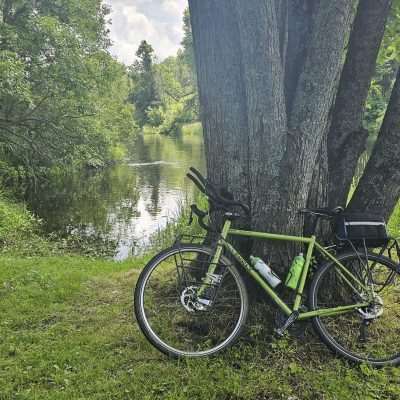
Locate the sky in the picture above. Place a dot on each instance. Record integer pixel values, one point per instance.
(157, 21)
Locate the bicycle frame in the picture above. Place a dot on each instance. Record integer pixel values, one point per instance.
(312, 245)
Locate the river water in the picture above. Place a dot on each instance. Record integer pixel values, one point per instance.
(127, 202)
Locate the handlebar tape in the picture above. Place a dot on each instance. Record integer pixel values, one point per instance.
(198, 175)
(199, 185)
(210, 190)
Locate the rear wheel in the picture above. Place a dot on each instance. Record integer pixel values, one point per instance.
(169, 313)
(369, 334)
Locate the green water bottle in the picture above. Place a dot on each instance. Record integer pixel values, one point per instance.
(292, 280)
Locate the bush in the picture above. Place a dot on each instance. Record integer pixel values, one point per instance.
(155, 116)
(16, 222)
(177, 225)
(20, 231)
(165, 120)
(118, 152)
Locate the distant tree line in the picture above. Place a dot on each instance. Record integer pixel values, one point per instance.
(165, 93)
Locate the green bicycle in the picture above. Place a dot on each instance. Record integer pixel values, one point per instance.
(191, 300)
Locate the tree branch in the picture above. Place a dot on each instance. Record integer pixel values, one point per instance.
(38, 105)
(299, 28)
(346, 137)
(379, 188)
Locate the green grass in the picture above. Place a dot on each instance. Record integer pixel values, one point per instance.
(67, 332)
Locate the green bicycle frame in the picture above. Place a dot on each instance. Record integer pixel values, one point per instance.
(312, 245)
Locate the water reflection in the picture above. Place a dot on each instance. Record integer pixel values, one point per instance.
(127, 202)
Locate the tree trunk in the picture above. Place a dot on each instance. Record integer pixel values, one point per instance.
(347, 138)
(277, 103)
(265, 105)
(253, 147)
(313, 100)
(379, 188)
(222, 94)
(282, 14)
(299, 27)
(318, 194)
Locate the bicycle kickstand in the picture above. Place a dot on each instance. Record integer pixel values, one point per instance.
(289, 322)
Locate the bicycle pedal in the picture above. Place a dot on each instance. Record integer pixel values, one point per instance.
(288, 323)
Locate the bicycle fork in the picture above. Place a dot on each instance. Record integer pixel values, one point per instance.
(211, 279)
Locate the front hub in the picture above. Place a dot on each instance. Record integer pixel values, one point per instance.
(373, 310)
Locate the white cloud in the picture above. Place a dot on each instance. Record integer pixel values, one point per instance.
(157, 21)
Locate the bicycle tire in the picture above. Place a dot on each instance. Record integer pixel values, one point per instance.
(337, 337)
(142, 316)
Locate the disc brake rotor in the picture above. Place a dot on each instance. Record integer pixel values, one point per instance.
(189, 300)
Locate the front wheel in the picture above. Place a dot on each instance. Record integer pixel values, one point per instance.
(169, 313)
(369, 334)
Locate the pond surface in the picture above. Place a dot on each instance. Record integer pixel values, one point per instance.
(127, 202)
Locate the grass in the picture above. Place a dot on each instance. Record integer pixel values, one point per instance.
(177, 225)
(67, 332)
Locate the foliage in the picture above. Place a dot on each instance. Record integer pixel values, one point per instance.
(20, 231)
(177, 96)
(394, 222)
(94, 246)
(48, 302)
(62, 95)
(381, 85)
(187, 52)
(165, 93)
(178, 225)
(143, 95)
(177, 93)
(16, 223)
(390, 49)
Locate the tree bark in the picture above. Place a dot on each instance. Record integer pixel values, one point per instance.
(265, 103)
(314, 96)
(222, 94)
(299, 27)
(379, 188)
(318, 194)
(282, 22)
(347, 138)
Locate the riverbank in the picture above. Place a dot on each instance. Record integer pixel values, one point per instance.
(67, 332)
(120, 207)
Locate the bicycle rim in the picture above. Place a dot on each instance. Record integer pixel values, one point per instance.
(369, 334)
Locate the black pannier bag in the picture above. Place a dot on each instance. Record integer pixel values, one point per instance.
(358, 228)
